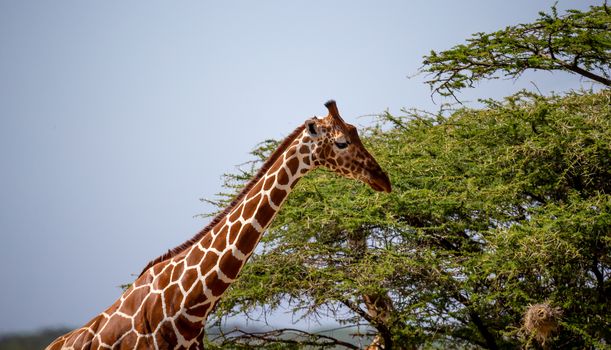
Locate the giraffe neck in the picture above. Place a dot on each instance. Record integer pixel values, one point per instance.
(167, 305)
(226, 248)
(194, 280)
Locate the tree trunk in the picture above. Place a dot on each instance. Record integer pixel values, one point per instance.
(379, 306)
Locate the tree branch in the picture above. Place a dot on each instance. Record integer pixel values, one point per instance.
(600, 280)
(477, 321)
(274, 336)
(381, 327)
(585, 73)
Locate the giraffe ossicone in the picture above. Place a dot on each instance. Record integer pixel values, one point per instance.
(167, 306)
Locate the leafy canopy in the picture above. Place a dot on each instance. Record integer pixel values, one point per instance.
(491, 210)
(577, 42)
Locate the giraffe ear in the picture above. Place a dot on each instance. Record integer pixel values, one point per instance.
(312, 128)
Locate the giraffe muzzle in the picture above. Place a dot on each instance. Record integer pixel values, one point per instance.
(380, 182)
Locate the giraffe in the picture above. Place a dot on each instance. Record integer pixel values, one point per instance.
(167, 305)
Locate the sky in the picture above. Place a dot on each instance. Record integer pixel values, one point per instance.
(116, 117)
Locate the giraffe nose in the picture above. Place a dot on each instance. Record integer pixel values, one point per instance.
(379, 181)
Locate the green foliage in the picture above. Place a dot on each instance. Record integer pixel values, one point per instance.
(491, 210)
(577, 42)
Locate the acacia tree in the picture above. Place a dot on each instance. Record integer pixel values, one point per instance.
(492, 210)
(578, 42)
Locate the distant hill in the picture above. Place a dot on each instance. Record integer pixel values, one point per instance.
(30, 341)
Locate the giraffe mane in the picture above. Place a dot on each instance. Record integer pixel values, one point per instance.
(264, 168)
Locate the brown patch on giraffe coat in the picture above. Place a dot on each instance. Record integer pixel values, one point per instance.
(150, 314)
(222, 222)
(200, 310)
(155, 313)
(177, 271)
(189, 277)
(222, 231)
(255, 190)
(188, 329)
(277, 196)
(206, 241)
(132, 302)
(159, 267)
(276, 166)
(95, 344)
(196, 295)
(172, 298)
(233, 233)
(230, 265)
(283, 177)
(324, 154)
(78, 338)
(99, 322)
(293, 164)
(128, 341)
(220, 241)
(145, 278)
(250, 207)
(237, 212)
(195, 256)
(116, 327)
(215, 284)
(247, 239)
(269, 183)
(64, 339)
(140, 325)
(209, 261)
(162, 281)
(165, 336)
(264, 214)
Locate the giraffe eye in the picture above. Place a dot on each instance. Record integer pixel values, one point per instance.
(312, 129)
(342, 145)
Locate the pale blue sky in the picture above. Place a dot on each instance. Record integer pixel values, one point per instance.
(116, 117)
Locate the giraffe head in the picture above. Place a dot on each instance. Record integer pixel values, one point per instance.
(336, 145)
